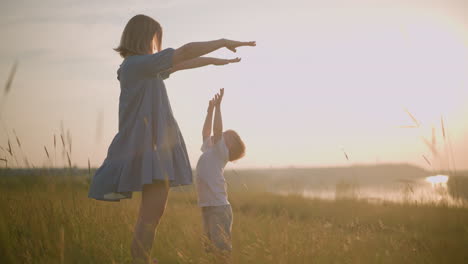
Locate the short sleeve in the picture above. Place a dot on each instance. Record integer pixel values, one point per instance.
(207, 144)
(158, 64)
(222, 150)
(165, 74)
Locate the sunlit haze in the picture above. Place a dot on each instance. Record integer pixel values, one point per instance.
(327, 78)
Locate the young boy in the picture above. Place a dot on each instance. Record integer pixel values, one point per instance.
(211, 184)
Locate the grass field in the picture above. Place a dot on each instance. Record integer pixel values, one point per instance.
(51, 220)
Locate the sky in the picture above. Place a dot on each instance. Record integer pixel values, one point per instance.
(326, 77)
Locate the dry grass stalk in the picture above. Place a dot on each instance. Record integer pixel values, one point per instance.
(47, 152)
(11, 77)
(416, 122)
(69, 139)
(6, 90)
(346, 154)
(17, 139)
(443, 127)
(10, 151)
(452, 156)
(69, 160)
(55, 149)
(430, 146)
(6, 162)
(21, 151)
(9, 148)
(427, 160)
(89, 167)
(64, 150)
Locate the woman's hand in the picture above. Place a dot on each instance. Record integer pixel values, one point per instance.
(232, 44)
(219, 62)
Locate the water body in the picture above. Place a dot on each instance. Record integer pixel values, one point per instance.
(399, 183)
(428, 190)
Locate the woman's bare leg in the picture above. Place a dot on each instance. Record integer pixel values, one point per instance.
(153, 203)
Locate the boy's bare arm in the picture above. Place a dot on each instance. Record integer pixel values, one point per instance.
(206, 133)
(218, 121)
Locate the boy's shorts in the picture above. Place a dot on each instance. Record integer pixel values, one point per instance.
(217, 223)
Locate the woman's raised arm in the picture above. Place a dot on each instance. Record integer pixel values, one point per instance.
(197, 49)
(201, 62)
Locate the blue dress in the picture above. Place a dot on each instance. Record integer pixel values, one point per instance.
(148, 146)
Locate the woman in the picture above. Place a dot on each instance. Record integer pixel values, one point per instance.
(148, 153)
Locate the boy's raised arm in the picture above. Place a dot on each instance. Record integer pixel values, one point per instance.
(218, 121)
(206, 133)
(197, 49)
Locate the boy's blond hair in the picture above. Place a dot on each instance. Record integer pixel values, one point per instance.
(237, 148)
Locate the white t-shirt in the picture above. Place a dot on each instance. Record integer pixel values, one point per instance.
(210, 182)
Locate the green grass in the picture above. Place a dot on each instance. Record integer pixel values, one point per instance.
(51, 220)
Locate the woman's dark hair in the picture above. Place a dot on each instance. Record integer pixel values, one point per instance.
(137, 36)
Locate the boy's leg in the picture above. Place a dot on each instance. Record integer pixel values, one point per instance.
(220, 228)
(206, 239)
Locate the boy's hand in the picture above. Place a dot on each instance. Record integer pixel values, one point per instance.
(219, 62)
(211, 105)
(232, 44)
(219, 97)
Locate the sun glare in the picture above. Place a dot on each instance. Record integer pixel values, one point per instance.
(437, 180)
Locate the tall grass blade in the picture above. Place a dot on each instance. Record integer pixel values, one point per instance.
(6, 162)
(55, 149)
(442, 126)
(89, 167)
(416, 122)
(47, 152)
(427, 160)
(9, 148)
(69, 160)
(69, 139)
(430, 146)
(17, 139)
(10, 79)
(345, 154)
